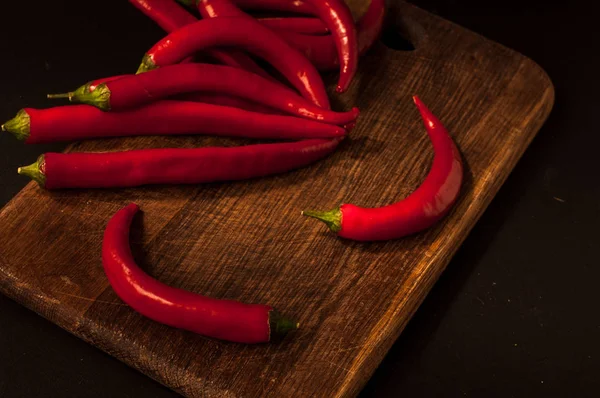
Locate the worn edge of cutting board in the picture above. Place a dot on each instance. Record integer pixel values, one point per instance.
(382, 334)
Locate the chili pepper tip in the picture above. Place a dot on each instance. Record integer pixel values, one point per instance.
(19, 126)
(332, 218)
(34, 171)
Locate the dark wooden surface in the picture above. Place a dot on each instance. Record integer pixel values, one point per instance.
(246, 240)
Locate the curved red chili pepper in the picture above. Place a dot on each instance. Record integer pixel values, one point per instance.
(322, 51)
(167, 117)
(174, 165)
(136, 90)
(424, 207)
(223, 8)
(221, 319)
(169, 16)
(305, 26)
(247, 34)
(338, 18)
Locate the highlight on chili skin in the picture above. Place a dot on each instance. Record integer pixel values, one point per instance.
(220, 319)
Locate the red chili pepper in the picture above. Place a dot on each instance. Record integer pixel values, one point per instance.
(424, 207)
(247, 34)
(136, 90)
(338, 18)
(169, 16)
(80, 122)
(305, 26)
(221, 319)
(174, 165)
(322, 51)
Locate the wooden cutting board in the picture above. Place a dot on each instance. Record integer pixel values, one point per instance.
(248, 241)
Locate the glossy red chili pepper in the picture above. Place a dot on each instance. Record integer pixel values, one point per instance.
(247, 34)
(420, 210)
(300, 25)
(338, 18)
(167, 117)
(322, 51)
(223, 8)
(174, 166)
(221, 319)
(170, 16)
(136, 90)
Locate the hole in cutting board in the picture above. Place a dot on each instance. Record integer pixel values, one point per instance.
(395, 39)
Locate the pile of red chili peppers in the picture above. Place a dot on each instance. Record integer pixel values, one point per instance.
(203, 78)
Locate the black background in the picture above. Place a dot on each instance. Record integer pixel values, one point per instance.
(516, 312)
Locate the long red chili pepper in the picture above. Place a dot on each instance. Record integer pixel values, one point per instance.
(322, 51)
(80, 122)
(300, 25)
(174, 166)
(425, 206)
(221, 319)
(136, 90)
(247, 34)
(338, 18)
(170, 16)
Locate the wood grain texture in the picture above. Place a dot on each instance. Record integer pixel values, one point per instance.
(247, 240)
